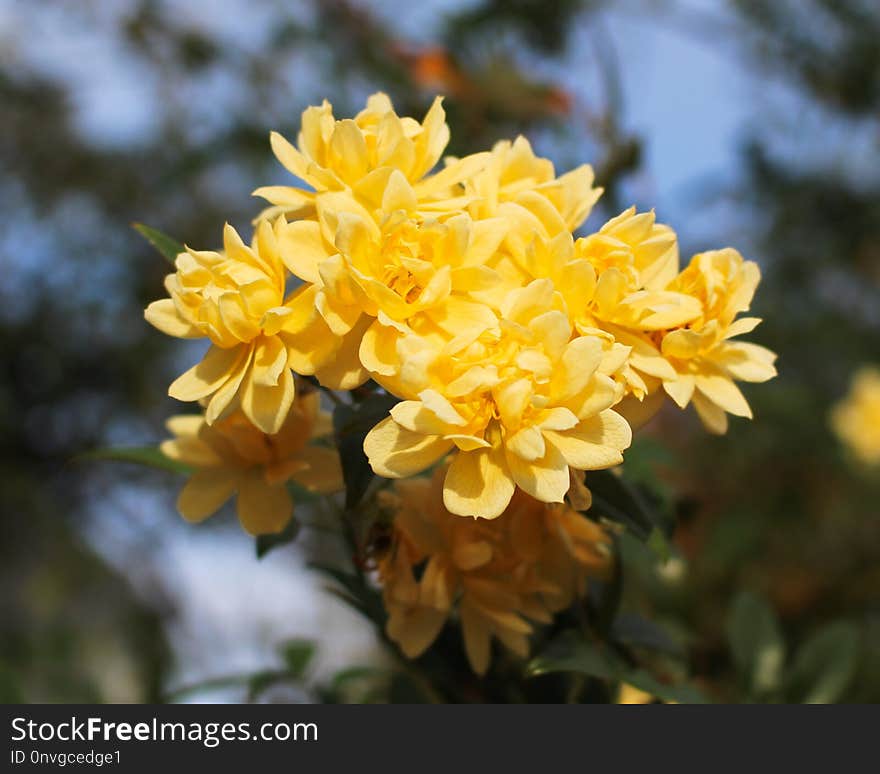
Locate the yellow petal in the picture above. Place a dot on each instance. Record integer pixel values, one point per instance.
(205, 492)
(546, 479)
(478, 484)
(745, 361)
(262, 509)
(415, 629)
(267, 406)
(163, 315)
(713, 417)
(723, 393)
(211, 373)
(681, 389)
(322, 473)
(344, 371)
(597, 442)
(527, 443)
(303, 248)
(224, 399)
(395, 452)
(477, 637)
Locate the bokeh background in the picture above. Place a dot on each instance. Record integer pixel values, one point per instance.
(753, 123)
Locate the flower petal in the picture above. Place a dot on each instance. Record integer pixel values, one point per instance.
(478, 484)
(205, 492)
(262, 508)
(395, 452)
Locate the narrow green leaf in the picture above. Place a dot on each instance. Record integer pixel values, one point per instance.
(168, 247)
(756, 644)
(149, 456)
(639, 632)
(297, 655)
(351, 423)
(825, 664)
(571, 653)
(265, 543)
(680, 694)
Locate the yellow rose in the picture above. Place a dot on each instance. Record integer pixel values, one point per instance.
(705, 360)
(236, 299)
(519, 406)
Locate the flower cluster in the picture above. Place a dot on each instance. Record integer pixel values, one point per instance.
(516, 350)
(856, 419)
(500, 575)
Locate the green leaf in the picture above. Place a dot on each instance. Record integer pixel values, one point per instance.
(149, 456)
(680, 694)
(353, 674)
(756, 644)
(297, 655)
(168, 247)
(637, 631)
(265, 543)
(825, 664)
(619, 501)
(570, 653)
(351, 423)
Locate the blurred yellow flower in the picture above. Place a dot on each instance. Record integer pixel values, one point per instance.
(232, 457)
(856, 419)
(237, 300)
(706, 362)
(519, 406)
(359, 155)
(501, 575)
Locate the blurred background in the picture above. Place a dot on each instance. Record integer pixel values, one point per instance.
(751, 123)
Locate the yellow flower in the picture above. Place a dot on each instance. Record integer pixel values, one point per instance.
(503, 575)
(377, 281)
(856, 419)
(706, 361)
(614, 284)
(237, 300)
(519, 406)
(516, 182)
(359, 155)
(232, 457)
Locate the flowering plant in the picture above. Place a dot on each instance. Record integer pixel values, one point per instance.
(486, 368)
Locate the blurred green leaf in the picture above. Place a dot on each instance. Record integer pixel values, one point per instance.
(139, 455)
(168, 247)
(640, 632)
(351, 423)
(825, 664)
(615, 499)
(680, 694)
(265, 543)
(297, 655)
(571, 653)
(756, 644)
